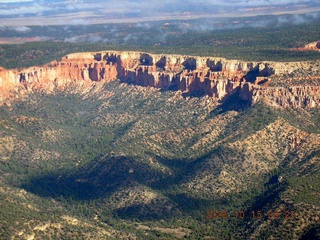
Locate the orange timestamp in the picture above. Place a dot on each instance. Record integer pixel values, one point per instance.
(255, 214)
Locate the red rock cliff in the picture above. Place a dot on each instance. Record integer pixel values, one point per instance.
(192, 75)
(298, 96)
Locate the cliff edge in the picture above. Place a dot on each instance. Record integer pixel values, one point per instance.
(192, 75)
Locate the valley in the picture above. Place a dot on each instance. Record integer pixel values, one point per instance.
(170, 129)
(115, 155)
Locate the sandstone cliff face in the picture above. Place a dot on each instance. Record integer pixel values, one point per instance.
(216, 77)
(313, 46)
(8, 81)
(299, 96)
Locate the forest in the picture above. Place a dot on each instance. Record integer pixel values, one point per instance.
(122, 161)
(266, 41)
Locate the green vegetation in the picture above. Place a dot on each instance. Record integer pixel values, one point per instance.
(129, 163)
(124, 161)
(271, 41)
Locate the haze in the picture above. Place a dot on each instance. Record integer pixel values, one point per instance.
(48, 12)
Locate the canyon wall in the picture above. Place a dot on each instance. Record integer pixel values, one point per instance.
(297, 96)
(194, 76)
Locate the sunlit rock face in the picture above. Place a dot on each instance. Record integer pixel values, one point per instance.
(302, 96)
(194, 76)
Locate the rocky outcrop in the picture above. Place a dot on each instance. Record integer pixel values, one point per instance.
(314, 46)
(299, 96)
(195, 76)
(8, 81)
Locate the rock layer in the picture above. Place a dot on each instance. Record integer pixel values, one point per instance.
(302, 96)
(195, 76)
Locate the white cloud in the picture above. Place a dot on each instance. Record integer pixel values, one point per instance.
(79, 22)
(141, 8)
(246, 2)
(151, 8)
(33, 9)
(14, 1)
(90, 39)
(21, 29)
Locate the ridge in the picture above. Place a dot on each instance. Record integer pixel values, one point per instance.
(219, 78)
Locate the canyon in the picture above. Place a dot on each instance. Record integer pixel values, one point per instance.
(218, 78)
(133, 145)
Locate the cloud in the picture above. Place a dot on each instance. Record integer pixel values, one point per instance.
(143, 25)
(21, 29)
(14, 1)
(79, 21)
(283, 20)
(86, 39)
(119, 9)
(140, 9)
(297, 18)
(33, 9)
(130, 38)
(244, 3)
(145, 7)
(205, 25)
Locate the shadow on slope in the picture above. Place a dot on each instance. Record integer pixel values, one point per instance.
(128, 187)
(181, 204)
(99, 178)
(270, 196)
(313, 233)
(231, 103)
(118, 179)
